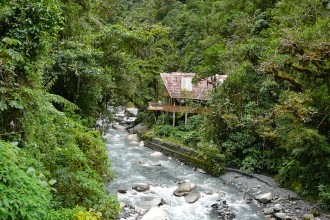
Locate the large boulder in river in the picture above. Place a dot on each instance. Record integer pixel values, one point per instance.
(139, 129)
(184, 189)
(156, 214)
(141, 187)
(192, 197)
(265, 198)
(118, 127)
(131, 112)
(155, 202)
(132, 137)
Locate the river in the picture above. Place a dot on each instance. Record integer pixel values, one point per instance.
(131, 162)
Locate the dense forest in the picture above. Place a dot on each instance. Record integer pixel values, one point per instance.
(62, 62)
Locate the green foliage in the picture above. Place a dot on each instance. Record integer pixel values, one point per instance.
(77, 213)
(324, 196)
(191, 138)
(24, 191)
(164, 130)
(58, 163)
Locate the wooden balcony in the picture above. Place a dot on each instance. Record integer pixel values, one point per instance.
(154, 106)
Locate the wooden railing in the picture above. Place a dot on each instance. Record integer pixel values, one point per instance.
(157, 106)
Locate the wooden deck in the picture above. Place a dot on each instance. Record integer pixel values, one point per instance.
(174, 108)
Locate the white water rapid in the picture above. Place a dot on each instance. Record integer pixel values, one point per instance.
(131, 163)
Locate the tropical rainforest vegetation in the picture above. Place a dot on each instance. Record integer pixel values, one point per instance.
(62, 62)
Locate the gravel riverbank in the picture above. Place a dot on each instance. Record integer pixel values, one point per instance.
(284, 204)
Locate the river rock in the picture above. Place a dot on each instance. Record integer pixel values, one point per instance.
(222, 209)
(141, 187)
(184, 189)
(199, 170)
(192, 197)
(280, 215)
(308, 217)
(265, 198)
(122, 191)
(132, 137)
(278, 207)
(156, 213)
(139, 129)
(208, 192)
(151, 203)
(156, 154)
(268, 211)
(118, 127)
(131, 112)
(155, 164)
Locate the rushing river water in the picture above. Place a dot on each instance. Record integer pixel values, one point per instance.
(131, 163)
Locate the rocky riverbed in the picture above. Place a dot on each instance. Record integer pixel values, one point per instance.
(277, 202)
(274, 202)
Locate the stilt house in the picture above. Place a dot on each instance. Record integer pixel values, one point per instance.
(183, 92)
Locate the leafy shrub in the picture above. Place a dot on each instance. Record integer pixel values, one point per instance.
(191, 138)
(194, 122)
(249, 164)
(77, 213)
(164, 130)
(324, 194)
(210, 153)
(24, 194)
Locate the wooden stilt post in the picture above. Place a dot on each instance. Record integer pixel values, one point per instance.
(173, 119)
(185, 118)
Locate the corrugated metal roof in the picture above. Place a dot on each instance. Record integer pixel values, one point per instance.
(200, 90)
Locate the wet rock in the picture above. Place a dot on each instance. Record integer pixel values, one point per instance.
(141, 187)
(268, 211)
(265, 198)
(132, 137)
(192, 197)
(184, 189)
(278, 207)
(208, 192)
(118, 127)
(223, 211)
(155, 164)
(155, 202)
(129, 212)
(308, 217)
(131, 112)
(139, 129)
(221, 194)
(156, 213)
(156, 154)
(122, 191)
(199, 170)
(280, 215)
(247, 199)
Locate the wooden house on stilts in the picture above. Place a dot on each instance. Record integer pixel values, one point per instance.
(184, 92)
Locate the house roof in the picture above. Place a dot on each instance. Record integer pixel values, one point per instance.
(200, 90)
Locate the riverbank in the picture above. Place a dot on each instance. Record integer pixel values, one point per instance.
(281, 204)
(282, 200)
